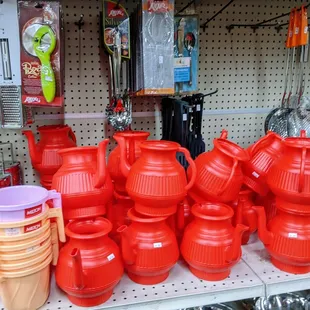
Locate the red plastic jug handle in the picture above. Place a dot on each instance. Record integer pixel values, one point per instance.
(302, 170)
(72, 135)
(235, 164)
(121, 197)
(224, 134)
(260, 142)
(192, 165)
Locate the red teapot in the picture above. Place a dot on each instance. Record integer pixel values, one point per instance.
(244, 213)
(132, 141)
(219, 174)
(149, 248)
(44, 155)
(89, 265)
(156, 181)
(286, 238)
(211, 245)
(83, 181)
(263, 155)
(289, 177)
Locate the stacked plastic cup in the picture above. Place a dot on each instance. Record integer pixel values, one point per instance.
(28, 244)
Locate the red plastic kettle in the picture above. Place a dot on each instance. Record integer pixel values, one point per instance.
(149, 248)
(263, 155)
(44, 155)
(132, 141)
(84, 181)
(289, 177)
(211, 245)
(219, 174)
(286, 238)
(156, 181)
(89, 265)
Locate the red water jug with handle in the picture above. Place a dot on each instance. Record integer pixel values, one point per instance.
(263, 155)
(289, 177)
(89, 265)
(211, 245)
(286, 238)
(83, 181)
(44, 155)
(149, 248)
(132, 140)
(219, 173)
(156, 181)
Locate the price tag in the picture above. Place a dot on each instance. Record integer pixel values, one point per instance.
(293, 235)
(111, 257)
(12, 231)
(255, 174)
(198, 107)
(157, 245)
(184, 117)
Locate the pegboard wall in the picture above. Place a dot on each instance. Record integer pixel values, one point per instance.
(246, 67)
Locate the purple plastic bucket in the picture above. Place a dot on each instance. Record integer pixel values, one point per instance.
(18, 203)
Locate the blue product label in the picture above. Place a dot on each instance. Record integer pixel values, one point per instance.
(181, 75)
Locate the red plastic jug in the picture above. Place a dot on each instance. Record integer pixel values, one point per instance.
(219, 174)
(149, 248)
(269, 203)
(83, 181)
(132, 141)
(263, 155)
(89, 265)
(286, 238)
(211, 245)
(289, 177)
(156, 181)
(44, 155)
(244, 213)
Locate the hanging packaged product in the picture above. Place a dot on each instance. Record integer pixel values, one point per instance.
(116, 16)
(41, 53)
(156, 47)
(186, 52)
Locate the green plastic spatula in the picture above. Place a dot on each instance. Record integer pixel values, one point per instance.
(44, 54)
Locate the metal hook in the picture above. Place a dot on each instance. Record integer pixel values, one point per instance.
(206, 95)
(80, 22)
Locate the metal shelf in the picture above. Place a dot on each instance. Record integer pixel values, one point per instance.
(275, 280)
(180, 290)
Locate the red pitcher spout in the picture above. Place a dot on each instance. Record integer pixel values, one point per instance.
(101, 164)
(128, 248)
(35, 158)
(124, 164)
(77, 269)
(264, 235)
(233, 253)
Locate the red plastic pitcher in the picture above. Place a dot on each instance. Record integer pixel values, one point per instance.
(263, 155)
(84, 181)
(44, 155)
(289, 177)
(211, 245)
(219, 174)
(90, 264)
(132, 141)
(149, 248)
(286, 238)
(156, 181)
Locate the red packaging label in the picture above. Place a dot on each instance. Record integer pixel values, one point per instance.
(113, 11)
(158, 6)
(32, 227)
(34, 211)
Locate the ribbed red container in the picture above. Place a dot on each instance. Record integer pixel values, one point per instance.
(211, 245)
(44, 155)
(149, 248)
(83, 181)
(89, 264)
